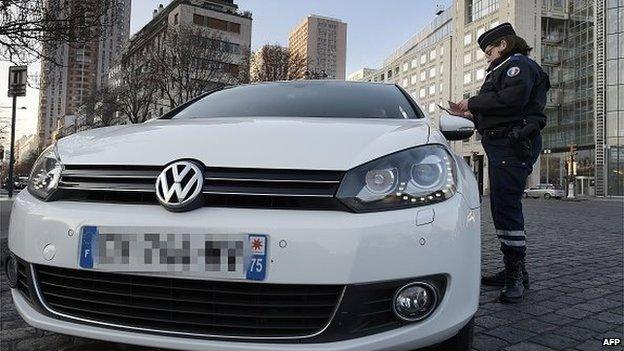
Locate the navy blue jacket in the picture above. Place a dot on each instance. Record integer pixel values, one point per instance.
(514, 89)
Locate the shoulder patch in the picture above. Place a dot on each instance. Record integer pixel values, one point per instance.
(513, 71)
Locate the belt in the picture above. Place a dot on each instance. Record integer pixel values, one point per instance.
(498, 133)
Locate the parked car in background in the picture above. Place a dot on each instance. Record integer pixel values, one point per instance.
(545, 191)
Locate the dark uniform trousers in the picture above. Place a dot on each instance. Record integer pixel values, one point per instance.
(508, 176)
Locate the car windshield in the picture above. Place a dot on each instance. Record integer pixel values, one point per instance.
(305, 99)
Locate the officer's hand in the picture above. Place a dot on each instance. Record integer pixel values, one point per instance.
(463, 105)
(468, 115)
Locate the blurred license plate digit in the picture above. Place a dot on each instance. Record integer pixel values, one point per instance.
(240, 256)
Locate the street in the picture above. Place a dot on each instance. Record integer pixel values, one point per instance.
(575, 261)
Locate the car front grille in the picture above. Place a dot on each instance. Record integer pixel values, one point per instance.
(23, 279)
(223, 187)
(206, 308)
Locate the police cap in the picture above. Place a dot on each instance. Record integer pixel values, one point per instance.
(497, 32)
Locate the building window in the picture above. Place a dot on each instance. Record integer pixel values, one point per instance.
(432, 90)
(441, 50)
(432, 55)
(422, 93)
(389, 74)
(404, 82)
(423, 76)
(468, 39)
(432, 72)
(467, 78)
(423, 59)
(175, 18)
(405, 66)
(414, 63)
(476, 9)
(216, 23)
(441, 89)
(467, 58)
(414, 79)
(480, 73)
(431, 107)
(441, 69)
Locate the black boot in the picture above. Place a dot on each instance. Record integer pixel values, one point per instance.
(498, 279)
(513, 292)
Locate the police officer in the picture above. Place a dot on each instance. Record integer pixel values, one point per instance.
(509, 114)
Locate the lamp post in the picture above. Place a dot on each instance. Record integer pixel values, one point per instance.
(546, 153)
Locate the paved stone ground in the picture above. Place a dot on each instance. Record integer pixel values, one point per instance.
(576, 263)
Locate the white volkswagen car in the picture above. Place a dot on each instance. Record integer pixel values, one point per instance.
(317, 215)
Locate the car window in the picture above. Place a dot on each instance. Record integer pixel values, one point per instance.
(305, 99)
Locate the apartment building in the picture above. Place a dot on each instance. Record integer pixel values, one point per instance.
(579, 44)
(322, 41)
(361, 75)
(223, 25)
(79, 69)
(422, 66)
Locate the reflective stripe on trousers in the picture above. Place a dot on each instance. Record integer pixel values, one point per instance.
(515, 238)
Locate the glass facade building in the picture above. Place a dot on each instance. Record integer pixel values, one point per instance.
(614, 97)
(583, 52)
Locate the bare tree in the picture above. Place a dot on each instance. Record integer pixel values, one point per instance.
(134, 86)
(189, 63)
(28, 27)
(274, 62)
(4, 131)
(24, 166)
(100, 108)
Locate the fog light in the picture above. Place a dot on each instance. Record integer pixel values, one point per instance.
(415, 301)
(11, 271)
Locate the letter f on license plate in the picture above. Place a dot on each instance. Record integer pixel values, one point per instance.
(256, 269)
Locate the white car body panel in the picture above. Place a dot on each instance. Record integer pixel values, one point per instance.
(303, 143)
(323, 247)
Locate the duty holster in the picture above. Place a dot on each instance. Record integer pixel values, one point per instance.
(520, 137)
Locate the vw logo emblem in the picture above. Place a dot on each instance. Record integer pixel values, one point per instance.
(179, 186)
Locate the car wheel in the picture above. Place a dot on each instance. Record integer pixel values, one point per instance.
(547, 196)
(460, 342)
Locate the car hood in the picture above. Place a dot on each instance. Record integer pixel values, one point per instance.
(295, 143)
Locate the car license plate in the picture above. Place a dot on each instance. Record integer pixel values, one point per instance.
(130, 249)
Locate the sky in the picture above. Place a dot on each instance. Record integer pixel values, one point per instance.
(374, 31)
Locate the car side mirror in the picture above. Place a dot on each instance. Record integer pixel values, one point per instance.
(456, 128)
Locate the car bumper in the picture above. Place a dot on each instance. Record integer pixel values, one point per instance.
(322, 247)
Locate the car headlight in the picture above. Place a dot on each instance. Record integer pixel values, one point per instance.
(45, 174)
(409, 178)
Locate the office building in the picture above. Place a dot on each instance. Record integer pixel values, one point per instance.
(609, 97)
(361, 75)
(322, 41)
(79, 70)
